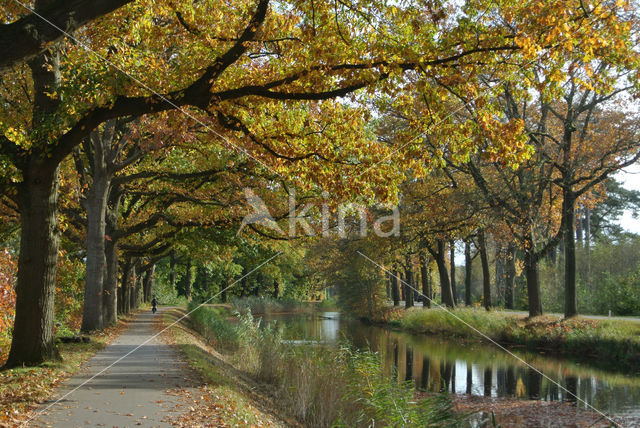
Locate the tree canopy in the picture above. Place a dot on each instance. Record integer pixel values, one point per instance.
(134, 130)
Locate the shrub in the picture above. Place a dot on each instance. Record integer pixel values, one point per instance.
(69, 299)
(381, 402)
(215, 330)
(267, 305)
(619, 294)
(328, 304)
(608, 278)
(166, 294)
(324, 386)
(361, 286)
(8, 270)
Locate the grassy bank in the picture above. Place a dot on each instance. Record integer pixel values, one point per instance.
(607, 340)
(226, 397)
(319, 386)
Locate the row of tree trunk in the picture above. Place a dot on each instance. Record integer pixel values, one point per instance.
(403, 285)
(136, 285)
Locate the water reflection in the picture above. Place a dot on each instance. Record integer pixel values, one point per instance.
(437, 365)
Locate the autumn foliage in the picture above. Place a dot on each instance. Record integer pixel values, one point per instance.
(8, 270)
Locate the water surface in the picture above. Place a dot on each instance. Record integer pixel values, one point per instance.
(434, 364)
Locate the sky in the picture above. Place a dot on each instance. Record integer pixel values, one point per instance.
(630, 179)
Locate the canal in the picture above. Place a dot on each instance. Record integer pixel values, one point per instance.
(435, 364)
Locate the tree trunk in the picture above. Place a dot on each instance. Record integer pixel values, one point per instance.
(468, 271)
(389, 284)
(395, 289)
(553, 256)
(99, 147)
(256, 288)
(510, 276)
(120, 300)
(425, 275)
(110, 300)
(33, 340)
(134, 286)
(172, 270)
(148, 284)
(531, 273)
(445, 285)
(276, 289)
(587, 245)
(568, 224)
(409, 287)
(139, 290)
(452, 267)
(124, 299)
(92, 316)
(223, 292)
(243, 284)
(579, 227)
(486, 274)
(499, 269)
(188, 280)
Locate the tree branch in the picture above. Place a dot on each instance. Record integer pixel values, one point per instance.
(31, 35)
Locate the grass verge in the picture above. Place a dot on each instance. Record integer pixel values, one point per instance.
(605, 340)
(226, 398)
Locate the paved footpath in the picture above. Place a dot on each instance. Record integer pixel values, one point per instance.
(140, 390)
